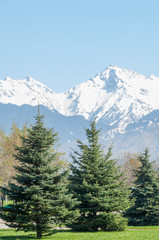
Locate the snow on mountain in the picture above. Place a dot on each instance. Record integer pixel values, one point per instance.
(124, 103)
(118, 97)
(25, 91)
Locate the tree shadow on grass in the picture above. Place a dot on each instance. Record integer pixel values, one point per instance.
(9, 235)
(17, 236)
(20, 237)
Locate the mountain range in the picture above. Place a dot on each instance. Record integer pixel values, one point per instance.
(125, 105)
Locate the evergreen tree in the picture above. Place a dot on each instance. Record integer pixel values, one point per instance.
(145, 194)
(96, 182)
(39, 194)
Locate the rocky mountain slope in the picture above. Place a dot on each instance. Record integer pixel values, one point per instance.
(124, 103)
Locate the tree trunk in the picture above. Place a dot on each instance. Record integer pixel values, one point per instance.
(39, 235)
(6, 199)
(2, 200)
(38, 231)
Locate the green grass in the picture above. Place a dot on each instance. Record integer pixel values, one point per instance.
(136, 233)
(144, 227)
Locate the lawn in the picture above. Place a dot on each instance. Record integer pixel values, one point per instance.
(132, 233)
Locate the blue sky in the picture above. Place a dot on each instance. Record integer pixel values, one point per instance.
(62, 43)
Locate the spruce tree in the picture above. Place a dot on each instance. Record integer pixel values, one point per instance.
(38, 192)
(96, 182)
(145, 194)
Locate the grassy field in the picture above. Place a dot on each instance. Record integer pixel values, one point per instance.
(132, 233)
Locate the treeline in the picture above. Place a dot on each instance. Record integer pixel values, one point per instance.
(91, 193)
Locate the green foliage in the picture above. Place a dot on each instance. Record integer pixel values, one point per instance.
(96, 182)
(145, 194)
(112, 222)
(39, 194)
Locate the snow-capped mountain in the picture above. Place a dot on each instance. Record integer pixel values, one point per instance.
(115, 95)
(25, 91)
(119, 99)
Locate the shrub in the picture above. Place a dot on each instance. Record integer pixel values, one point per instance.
(112, 222)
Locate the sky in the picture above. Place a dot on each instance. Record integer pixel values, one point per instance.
(62, 43)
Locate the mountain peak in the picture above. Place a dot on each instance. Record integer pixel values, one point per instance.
(116, 77)
(115, 91)
(114, 67)
(113, 77)
(119, 72)
(24, 91)
(116, 97)
(7, 78)
(28, 78)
